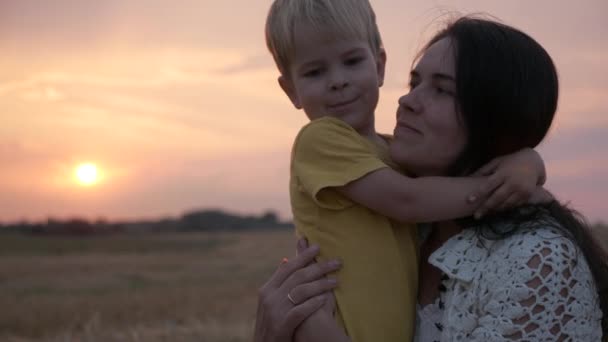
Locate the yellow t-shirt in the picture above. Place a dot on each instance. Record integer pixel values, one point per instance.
(378, 281)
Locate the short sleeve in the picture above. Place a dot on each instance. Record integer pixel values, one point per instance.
(329, 153)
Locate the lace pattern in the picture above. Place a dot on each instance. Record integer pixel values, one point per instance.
(429, 320)
(534, 285)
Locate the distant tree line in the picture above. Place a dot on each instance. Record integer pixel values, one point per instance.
(212, 220)
(202, 220)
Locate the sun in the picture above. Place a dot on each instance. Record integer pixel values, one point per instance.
(87, 174)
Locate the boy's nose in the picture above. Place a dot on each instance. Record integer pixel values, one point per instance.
(339, 85)
(338, 81)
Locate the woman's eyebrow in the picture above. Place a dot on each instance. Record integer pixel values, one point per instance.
(437, 76)
(443, 77)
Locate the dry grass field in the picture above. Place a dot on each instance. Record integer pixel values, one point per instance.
(148, 287)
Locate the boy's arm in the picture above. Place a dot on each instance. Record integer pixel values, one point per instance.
(320, 327)
(328, 154)
(406, 199)
(526, 159)
(510, 180)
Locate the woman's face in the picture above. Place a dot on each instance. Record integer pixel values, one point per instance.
(429, 135)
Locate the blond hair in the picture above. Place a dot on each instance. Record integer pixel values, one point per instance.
(344, 19)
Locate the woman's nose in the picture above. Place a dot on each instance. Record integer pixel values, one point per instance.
(409, 102)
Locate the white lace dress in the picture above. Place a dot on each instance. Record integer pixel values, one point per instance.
(533, 286)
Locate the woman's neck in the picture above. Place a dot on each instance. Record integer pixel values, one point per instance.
(443, 231)
(431, 279)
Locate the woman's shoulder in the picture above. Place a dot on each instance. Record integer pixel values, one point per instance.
(472, 252)
(538, 240)
(541, 255)
(541, 267)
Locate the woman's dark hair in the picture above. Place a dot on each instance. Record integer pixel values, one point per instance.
(507, 91)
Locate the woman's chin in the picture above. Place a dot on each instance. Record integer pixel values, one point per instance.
(402, 159)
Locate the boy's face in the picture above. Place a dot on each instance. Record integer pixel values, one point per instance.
(337, 78)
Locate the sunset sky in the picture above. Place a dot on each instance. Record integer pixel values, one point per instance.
(177, 103)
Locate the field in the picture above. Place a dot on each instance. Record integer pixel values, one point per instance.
(139, 287)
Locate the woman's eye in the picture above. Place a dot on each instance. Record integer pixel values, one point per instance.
(444, 91)
(412, 85)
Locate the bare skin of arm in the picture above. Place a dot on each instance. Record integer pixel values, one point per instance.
(320, 326)
(407, 199)
(503, 183)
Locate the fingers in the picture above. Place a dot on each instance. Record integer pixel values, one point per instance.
(487, 188)
(303, 292)
(300, 312)
(301, 245)
(488, 169)
(508, 195)
(289, 267)
(278, 323)
(303, 280)
(330, 303)
(512, 201)
(310, 273)
(540, 195)
(492, 203)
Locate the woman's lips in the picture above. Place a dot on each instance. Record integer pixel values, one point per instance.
(405, 128)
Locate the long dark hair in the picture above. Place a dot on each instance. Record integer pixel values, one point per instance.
(507, 90)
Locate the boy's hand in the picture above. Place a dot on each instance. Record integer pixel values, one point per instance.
(512, 180)
(541, 196)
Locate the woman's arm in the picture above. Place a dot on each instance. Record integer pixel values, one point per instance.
(278, 315)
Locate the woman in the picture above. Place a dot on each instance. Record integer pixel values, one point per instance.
(482, 90)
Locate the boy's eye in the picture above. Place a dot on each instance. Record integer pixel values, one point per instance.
(312, 72)
(353, 60)
(413, 84)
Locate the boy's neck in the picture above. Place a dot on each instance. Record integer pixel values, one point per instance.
(378, 139)
(369, 132)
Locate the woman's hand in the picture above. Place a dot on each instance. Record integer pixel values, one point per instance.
(295, 291)
(321, 325)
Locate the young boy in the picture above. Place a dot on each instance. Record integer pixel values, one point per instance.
(331, 60)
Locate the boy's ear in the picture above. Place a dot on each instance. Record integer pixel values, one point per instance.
(381, 66)
(290, 91)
